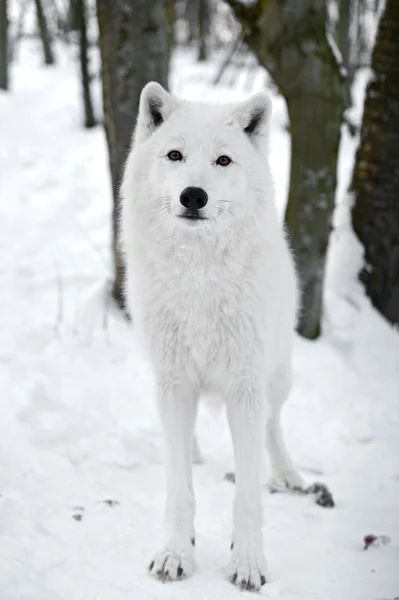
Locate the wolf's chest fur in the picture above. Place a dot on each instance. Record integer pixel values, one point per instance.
(200, 308)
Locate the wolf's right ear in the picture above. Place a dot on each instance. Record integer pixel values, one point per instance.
(254, 115)
(156, 104)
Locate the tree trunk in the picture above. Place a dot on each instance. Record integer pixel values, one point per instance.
(44, 33)
(89, 118)
(72, 17)
(3, 45)
(375, 182)
(344, 43)
(134, 51)
(170, 17)
(191, 17)
(314, 149)
(203, 28)
(289, 39)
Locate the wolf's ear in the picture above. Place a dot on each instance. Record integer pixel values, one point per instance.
(156, 104)
(254, 115)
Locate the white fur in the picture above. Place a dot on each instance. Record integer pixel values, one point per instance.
(214, 303)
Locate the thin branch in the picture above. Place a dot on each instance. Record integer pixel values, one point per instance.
(228, 58)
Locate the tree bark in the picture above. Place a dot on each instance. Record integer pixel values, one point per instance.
(203, 28)
(3, 45)
(344, 43)
(72, 17)
(375, 183)
(89, 118)
(44, 33)
(289, 39)
(134, 51)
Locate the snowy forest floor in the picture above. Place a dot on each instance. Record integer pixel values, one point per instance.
(81, 476)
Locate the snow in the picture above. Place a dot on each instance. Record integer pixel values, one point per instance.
(78, 424)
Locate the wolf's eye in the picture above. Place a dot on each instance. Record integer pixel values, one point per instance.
(223, 160)
(175, 155)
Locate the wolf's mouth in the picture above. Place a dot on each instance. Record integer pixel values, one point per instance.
(192, 216)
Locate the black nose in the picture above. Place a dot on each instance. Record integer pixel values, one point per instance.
(193, 198)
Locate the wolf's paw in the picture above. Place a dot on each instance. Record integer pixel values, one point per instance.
(246, 574)
(171, 564)
(288, 479)
(321, 493)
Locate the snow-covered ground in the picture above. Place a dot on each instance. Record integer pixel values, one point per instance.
(81, 477)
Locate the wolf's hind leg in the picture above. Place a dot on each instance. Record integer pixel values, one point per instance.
(284, 474)
(283, 470)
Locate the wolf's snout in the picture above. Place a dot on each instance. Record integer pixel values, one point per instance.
(193, 198)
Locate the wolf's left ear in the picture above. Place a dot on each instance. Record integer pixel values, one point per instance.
(254, 115)
(156, 104)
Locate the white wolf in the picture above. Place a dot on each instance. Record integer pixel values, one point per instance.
(212, 288)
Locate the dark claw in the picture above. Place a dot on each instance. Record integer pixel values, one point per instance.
(234, 578)
(179, 571)
(151, 566)
(262, 580)
(193, 541)
(244, 585)
(231, 545)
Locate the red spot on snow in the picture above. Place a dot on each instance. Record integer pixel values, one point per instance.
(368, 540)
(375, 540)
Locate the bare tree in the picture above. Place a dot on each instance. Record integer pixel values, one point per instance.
(89, 118)
(191, 18)
(72, 15)
(44, 33)
(134, 50)
(290, 39)
(204, 15)
(3, 45)
(376, 174)
(170, 17)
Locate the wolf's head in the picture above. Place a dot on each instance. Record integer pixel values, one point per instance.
(198, 167)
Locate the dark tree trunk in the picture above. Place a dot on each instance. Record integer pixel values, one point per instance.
(311, 197)
(44, 33)
(73, 18)
(89, 118)
(170, 17)
(343, 30)
(289, 38)
(3, 45)
(203, 28)
(344, 43)
(134, 51)
(191, 17)
(376, 174)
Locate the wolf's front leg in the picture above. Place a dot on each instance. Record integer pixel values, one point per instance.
(245, 410)
(177, 407)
